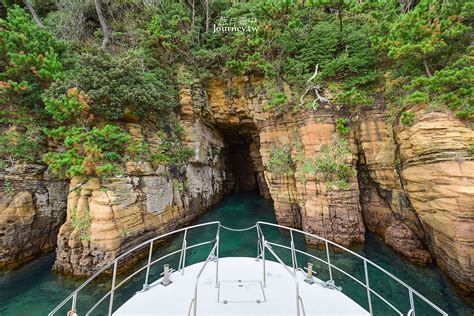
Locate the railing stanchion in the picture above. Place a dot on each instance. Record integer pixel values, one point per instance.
(266, 245)
(293, 253)
(412, 304)
(150, 253)
(329, 260)
(263, 259)
(111, 303)
(209, 257)
(217, 254)
(182, 256)
(74, 303)
(367, 285)
(259, 240)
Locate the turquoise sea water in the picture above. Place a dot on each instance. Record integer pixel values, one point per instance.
(34, 289)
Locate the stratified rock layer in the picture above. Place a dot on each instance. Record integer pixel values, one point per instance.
(32, 208)
(438, 175)
(106, 217)
(384, 202)
(417, 188)
(415, 185)
(304, 200)
(311, 205)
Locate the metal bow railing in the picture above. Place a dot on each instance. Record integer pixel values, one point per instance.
(263, 245)
(370, 291)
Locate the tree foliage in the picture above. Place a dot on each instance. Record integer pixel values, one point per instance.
(416, 52)
(89, 152)
(30, 58)
(118, 85)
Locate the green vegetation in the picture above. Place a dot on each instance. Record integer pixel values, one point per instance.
(82, 224)
(94, 152)
(31, 59)
(333, 164)
(408, 118)
(342, 128)
(69, 83)
(117, 86)
(278, 101)
(16, 147)
(8, 186)
(470, 150)
(280, 160)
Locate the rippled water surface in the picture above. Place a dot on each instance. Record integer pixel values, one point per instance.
(35, 290)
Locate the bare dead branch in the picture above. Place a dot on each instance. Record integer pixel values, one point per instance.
(104, 26)
(33, 13)
(316, 89)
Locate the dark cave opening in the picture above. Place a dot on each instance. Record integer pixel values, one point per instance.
(244, 160)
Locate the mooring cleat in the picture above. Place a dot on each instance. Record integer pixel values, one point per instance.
(331, 285)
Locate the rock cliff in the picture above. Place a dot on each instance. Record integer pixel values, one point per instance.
(311, 204)
(109, 216)
(438, 175)
(417, 187)
(32, 208)
(412, 185)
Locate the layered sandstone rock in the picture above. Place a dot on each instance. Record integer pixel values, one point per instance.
(311, 205)
(438, 176)
(417, 188)
(108, 216)
(32, 208)
(400, 237)
(385, 205)
(305, 200)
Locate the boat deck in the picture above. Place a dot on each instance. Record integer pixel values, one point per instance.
(240, 292)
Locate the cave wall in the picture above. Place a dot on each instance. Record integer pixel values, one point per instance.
(242, 167)
(32, 208)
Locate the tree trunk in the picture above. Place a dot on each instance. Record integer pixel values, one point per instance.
(33, 13)
(428, 72)
(104, 26)
(194, 13)
(339, 15)
(207, 15)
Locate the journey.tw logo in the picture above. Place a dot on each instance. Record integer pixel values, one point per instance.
(241, 24)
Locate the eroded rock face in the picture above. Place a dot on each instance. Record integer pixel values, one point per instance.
(106, 217)
(385, 204)
(32, 208)
(438, 175)
(400, 237)
(311, 204)
(304, 200)
(417, 188)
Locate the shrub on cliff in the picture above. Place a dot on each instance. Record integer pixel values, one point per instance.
(333, 164)
(30, 59)
(117, 86)
(19, 147)
(89, 152)
(279, 161)
(430, 45)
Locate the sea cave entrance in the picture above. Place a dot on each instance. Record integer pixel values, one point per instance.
(244, 160)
